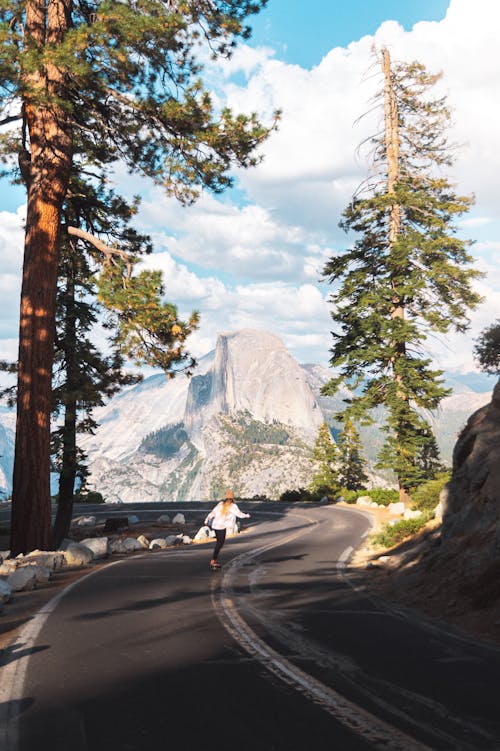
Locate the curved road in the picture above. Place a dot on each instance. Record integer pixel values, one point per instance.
(278, 651)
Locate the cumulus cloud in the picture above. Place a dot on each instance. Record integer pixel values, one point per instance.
(254, 256)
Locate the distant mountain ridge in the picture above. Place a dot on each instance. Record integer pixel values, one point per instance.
(247, 418)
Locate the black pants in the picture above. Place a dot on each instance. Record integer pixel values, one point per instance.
(220, 536)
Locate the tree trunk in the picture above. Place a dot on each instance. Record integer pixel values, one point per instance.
(391, 117)
(68, 464)
(50, 144)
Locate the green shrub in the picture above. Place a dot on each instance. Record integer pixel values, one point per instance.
(91, 497)
(383, 496)
(426, 496)
(294, 496)
(391, 534)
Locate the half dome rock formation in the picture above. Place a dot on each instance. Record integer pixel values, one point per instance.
(247, 418)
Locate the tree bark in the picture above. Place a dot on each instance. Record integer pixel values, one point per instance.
(391, 117)
(51, 154)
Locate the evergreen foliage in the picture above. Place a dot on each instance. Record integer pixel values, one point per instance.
(487, 349)
(407, 275)
(351, 463)
(165, 442)
(326, 455)
(84, 85)
(247, 431)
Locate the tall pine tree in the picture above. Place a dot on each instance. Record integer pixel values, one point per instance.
(120, 79)
(407, 274)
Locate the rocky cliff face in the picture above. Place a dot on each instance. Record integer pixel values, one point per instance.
(471, 506)
(247, 418)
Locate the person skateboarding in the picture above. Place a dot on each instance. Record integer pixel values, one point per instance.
(220, 519)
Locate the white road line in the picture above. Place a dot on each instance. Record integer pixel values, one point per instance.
(382, 735)
(13, 674)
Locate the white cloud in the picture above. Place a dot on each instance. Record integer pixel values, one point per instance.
(258, 264)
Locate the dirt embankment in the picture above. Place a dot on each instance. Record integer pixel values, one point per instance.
(415, 574)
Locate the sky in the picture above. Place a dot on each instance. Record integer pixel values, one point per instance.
(253, 256)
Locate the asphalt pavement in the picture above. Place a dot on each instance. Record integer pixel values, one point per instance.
(280, 650)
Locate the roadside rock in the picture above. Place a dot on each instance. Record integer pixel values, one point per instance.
(26, 577)
(143, 541)
(85, 521)
(179, 519)
(52, 559)
(5, 591)
(396, 508)
(133, 519)
(129, 545)
(99, 546)
(204, 533)
(163, 519)
(412, 513)
(77, 554)
(157, 543)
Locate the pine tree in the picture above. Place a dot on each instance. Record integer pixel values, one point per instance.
(487, 349)
(351, 463)
(407, 274)
(83, 378)
(120, 80)
(325, 454)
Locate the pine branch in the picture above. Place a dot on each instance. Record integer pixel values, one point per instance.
(10, 119)
(108, 252)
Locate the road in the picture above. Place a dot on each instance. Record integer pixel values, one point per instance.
(278, 651)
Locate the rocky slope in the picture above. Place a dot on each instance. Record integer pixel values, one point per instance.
(451, 570)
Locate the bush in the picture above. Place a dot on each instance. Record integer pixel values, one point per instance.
(390, 535)
(383, 496)
(91, 497)
(426, 496)
(295, 496)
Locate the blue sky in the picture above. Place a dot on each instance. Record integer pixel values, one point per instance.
(303, 32)
(253, 257)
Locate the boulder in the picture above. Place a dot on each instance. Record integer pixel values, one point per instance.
(52, 559)
(396, 508)
(410, 513)
(179, 519)
(363, 500)
(77, 555)
(204, 533)
(158, 543)
(85, 521)
(163, 519)
(23, 578)
(143, 541)
(4, 554)
(130, 545)
(170, 539)
(7, 567)
(5, 590)
(183, 540)
(98, 545)
(133, 519)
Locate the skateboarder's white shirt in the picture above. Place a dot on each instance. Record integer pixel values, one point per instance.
(224, 518)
